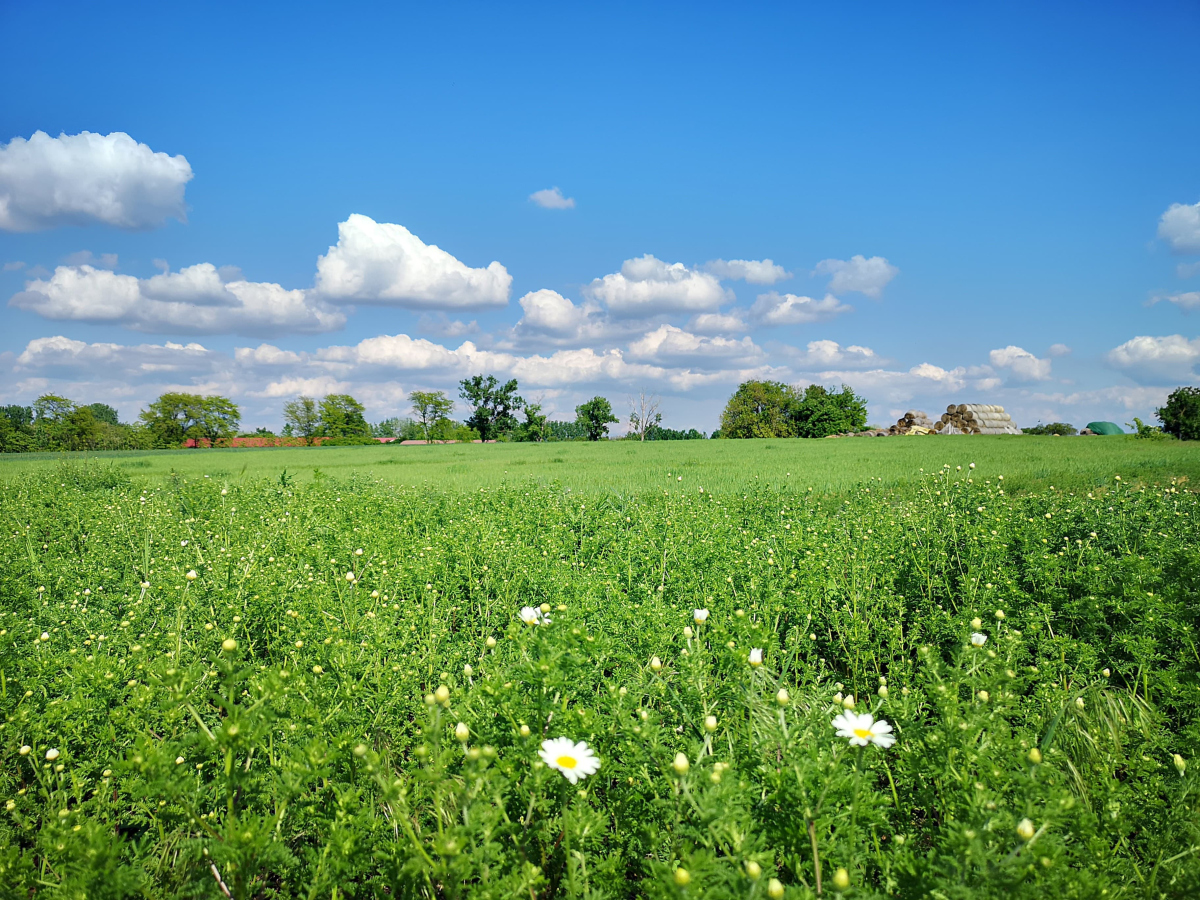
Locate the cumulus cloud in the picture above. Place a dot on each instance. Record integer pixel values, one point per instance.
(827, 354)
(1023, 365)
(1059, 350)
(867, 276)
(1189, 300)
(88, 258)
(1157, 360)
(674, 347)
(87, 178)
(552, 198)
(648, 286)
(191, 301)
(1180, 227)
(789, 309)
(386, 264)
(718, 322)
(754, 271)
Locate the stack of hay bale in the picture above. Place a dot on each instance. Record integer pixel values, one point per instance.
(915, 421)
(975, 418)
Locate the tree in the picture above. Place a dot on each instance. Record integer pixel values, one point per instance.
(759, 409)
(644, 414)
(302, 418)
(342, 416)
(1059, 428)
(1181, 416)
(430, 408)
(820, 412)
(535, 427)
(104, 413)
(80, 430)
(177, 417)
(18, 416)
(51, 408)
(594, 417)
(492, 404)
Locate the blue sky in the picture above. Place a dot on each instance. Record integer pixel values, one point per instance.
(984, 204)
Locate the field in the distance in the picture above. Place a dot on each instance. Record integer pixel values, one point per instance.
(627, 468)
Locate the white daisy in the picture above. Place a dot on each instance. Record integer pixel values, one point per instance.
(862, 729)
(756, 656)
(531, 615)
(978, 640)
(574, 759)
(700, 616)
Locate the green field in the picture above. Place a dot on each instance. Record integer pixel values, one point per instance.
(625, 468)
(325, 687)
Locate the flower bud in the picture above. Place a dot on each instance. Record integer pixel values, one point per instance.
(545, 607)
(462, 732)
(682, 877)
(681, 764)
(1035, 756)
(841, 879)
(782, 697)
(882, 692)
(700, 616)
(468, 671)
(687, 632)
(229, 645)
(976, 623)
(191, 575)
(52, 754)
(984, 696)
(655, 664)
(442, 694)
(837, 698)
(753, 869)
(756, 657)
(848, 702)
(710, 724)
(1105, 672)
(999, 614)
(1180, 764)
(774, 889)
(1025, 830)
(490, 642)
(1079, 702)
(24, 751)
(524, 731)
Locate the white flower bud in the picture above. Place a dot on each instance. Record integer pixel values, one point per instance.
(681, 764)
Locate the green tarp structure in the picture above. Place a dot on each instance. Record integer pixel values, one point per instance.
(1105, 427)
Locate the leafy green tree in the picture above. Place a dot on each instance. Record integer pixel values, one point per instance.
(594, 417)
(342, 416)
(177, 417)
(1181, 416)
(430, 408)
(493, 404)
(18, 416)
(50, 409)
(565, 431)
(80, 430)
(302, 418)
(1061, 428)
(104, 413)
(759, 409)
(820, 412)
(534, 428)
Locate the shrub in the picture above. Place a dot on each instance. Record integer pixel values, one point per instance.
(1181, 415)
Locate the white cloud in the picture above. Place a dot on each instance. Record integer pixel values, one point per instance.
(754, 271)
(552, 198)
(648, 286)
(827, 354)
(1157, 360)
(867, 276)
(1059, 350)
(673, 347)
(443, 326)
(88, 178)
(1189, 300)
(386, 264)
(1180, 227)
(191, 301)
(88, 258)
(1023, 364)
(64, 357)
(718, 322)
(789, 309)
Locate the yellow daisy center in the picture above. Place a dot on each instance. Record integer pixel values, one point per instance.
(567, 762)
(863, 733)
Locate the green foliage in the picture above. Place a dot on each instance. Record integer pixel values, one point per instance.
(493, 405)
(104, 413)
(302, 418)
(1063, 429)
(565, 431)
(432, 411)
(177, 417)
(594, 417)
(820, 412)
(658, 433)
(18, 416)
(342, 417)
(1181, 415)
(535, 428)
(1147, 432)
(759, 409)
(316, 755)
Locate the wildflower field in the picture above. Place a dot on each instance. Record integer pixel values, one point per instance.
(945, 687)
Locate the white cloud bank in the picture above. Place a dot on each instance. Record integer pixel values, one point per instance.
(194, 300)
(866, 276)
(385, 264)
(1180, 227)
(1157, 360)
(648, 286)
(552, 198)
(87, 178)
(754, 271)
(1023, 365)
(1189, 300)
(789, 309)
